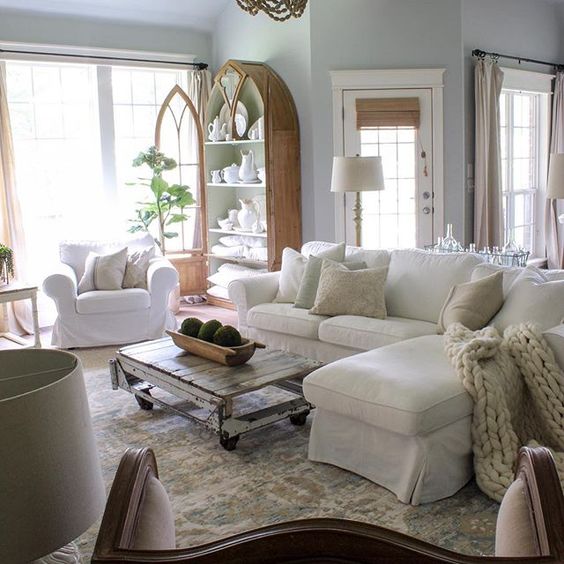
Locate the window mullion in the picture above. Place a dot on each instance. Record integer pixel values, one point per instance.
(107, 138)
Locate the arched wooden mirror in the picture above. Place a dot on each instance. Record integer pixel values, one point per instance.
(179, 135)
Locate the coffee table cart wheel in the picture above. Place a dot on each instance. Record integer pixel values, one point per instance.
(229, 443)
(144, 404)
(299, 419)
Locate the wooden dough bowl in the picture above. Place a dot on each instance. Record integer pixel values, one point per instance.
(229, 356)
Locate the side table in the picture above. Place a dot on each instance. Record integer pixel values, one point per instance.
(14, 293)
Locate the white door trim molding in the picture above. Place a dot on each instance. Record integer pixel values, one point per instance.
(392, 79)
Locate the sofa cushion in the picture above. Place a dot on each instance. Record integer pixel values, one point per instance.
(285, 318)
(108, 301)
(365, 333)
(419, 282)
(532, 298)
(409, 388)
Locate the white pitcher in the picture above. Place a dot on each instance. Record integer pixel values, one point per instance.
(249, 214)
(248, 171)
(214, 130)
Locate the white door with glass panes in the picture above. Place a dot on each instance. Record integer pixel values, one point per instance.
(401, 215)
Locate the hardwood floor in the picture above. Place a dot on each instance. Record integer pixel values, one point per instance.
(204, 312)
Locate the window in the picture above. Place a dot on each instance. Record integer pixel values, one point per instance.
(389, 215)
(137, 97)
(53, 111)
(77, 129)
(524, 116)
(520, 158)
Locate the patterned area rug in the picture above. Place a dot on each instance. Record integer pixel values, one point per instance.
(267, 480)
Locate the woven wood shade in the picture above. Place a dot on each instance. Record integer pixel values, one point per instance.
(387, 112)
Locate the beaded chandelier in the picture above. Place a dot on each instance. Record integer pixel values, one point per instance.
(279, 10)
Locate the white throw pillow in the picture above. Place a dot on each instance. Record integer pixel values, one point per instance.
(292, 271)
(532, 298)
(137, 267)
(103, 272)
(231, 240)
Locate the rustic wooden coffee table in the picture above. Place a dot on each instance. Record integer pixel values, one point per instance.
(213, 387)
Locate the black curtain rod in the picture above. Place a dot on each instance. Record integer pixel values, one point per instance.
(198, 66)
(481, 54)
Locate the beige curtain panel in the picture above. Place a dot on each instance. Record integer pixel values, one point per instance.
(554, 231)
(16, 317)
(387, 112)
(488, 199)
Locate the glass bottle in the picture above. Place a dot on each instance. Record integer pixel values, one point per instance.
(450, 244)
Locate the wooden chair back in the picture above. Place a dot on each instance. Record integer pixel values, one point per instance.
(317, 540)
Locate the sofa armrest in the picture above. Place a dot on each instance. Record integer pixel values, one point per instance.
(162, 278)
(62, 287)
(555, 339)
(246, 293)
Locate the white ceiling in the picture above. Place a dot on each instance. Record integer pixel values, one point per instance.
(198, 14)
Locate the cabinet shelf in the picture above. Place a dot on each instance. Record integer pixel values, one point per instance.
(264, 95)
(237, 185)
(241, 233)
(234, 142)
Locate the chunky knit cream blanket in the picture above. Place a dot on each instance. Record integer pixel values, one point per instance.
(518, 393)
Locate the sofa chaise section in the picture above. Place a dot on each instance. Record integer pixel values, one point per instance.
(396, 415)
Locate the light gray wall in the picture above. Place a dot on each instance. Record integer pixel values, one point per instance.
(98, 33)
(528, 28)
(381, 34)
(286, 48)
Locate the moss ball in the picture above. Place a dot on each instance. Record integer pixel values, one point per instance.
(191, 326)
(227, 336)
(208, 329)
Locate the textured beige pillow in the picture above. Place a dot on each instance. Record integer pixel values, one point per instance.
(103, 272)
(473, 303)
(351, 292)
(136, 268)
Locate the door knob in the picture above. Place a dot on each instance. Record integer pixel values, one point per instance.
(426, 210)
(426, 195)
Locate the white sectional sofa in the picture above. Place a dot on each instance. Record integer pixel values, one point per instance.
(417, 285)
(389, 405)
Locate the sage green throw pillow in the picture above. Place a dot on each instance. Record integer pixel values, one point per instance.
(305, 298)
(473, 304)
(351, 292)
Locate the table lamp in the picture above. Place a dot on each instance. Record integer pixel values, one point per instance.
(555, 188)
(50, 476)
(357, 174)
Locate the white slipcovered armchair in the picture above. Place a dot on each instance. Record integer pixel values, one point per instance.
(99, 318)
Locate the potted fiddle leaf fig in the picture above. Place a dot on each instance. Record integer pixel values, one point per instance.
(6, 264)
(167, 201)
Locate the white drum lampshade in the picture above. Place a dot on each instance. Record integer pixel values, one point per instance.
(357, 174)
(51, 483)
